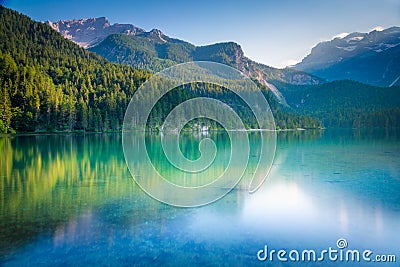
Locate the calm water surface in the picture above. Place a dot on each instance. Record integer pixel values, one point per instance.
(70, 200)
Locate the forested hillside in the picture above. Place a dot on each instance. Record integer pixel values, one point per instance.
(48, 83)
(346, 103)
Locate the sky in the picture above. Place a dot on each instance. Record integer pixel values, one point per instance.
(274, 32)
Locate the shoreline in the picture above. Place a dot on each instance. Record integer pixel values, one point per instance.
(152, 131)
(185, 132)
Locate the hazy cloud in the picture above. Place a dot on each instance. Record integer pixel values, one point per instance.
(377, 28)
(340, 35)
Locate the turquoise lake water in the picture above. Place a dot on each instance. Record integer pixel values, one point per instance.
(70, 200)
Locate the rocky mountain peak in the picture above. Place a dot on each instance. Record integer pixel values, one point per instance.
(354, 44)
(366, 57)
(156, 32)
(88, 32)
(155, 35)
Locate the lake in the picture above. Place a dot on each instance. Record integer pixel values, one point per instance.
(71, 200)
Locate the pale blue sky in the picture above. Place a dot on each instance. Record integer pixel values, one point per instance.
(271, 32)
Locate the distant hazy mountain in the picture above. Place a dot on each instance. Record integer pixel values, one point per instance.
(154, 50)
(89, 32)
(372, 58)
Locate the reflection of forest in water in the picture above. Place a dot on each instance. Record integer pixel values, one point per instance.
(48, 180)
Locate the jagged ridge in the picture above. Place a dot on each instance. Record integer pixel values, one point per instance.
(372, 58)
(155, 51)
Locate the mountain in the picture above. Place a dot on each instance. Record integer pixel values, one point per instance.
(49, 83)
(89, 32)
(149, 50)
(155, 51)
(372, 58)
(336, 104)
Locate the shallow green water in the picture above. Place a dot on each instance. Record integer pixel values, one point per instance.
(70, 199)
